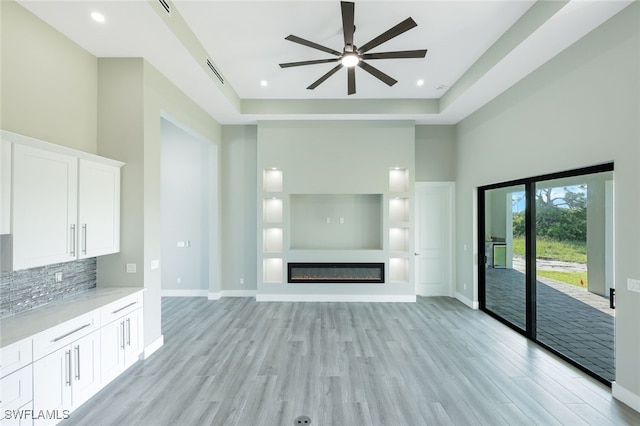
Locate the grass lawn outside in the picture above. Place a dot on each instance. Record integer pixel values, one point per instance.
(579, 279)
(564, 251)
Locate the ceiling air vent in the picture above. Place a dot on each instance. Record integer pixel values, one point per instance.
(215, 71)
(166, 6)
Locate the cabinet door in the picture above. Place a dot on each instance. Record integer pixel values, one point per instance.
(99, 209)
(44, 207)
(15, 390)
(86, 368)
(112, 350)
(133, 337)
(52, 378)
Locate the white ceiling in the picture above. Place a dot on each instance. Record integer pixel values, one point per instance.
(245, 40)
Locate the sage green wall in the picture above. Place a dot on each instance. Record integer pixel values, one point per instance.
(239, 208)
(132, 98)
(49, 83)
(579, 109)
(436, 153)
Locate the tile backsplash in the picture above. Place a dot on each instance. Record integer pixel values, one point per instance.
(29, 288)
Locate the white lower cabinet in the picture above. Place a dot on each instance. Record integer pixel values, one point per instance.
(121, 344)
(16, 398)
(66, 378)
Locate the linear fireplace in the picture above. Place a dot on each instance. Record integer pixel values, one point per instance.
(335, 272)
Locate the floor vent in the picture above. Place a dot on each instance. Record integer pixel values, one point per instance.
(215, 71)
(166, 6)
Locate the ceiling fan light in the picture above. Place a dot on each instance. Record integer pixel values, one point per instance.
(350, 60)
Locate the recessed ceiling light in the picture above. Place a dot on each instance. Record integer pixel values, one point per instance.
(264, 83)
(97, 16)
(420, 82)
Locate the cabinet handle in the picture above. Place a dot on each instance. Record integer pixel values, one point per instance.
(124, 307)
(70, 333)
(67, 359)
(73, 241)
(84, 238)
(122, 334)
(77, 349)
(128, 331)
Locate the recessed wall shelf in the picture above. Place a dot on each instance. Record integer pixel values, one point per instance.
(398, 210)
(272, 180)
(272, 240)
(272, 210)
(399, 270)
(272, 270)
(398, 179)
(399, 239)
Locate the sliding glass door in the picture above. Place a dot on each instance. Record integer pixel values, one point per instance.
(505, 284)
(546, 263)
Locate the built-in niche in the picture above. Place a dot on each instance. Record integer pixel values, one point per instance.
(336, 222)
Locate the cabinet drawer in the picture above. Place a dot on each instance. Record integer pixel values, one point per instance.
(120, 308)
(63, 334)
(15, 389)
(15, 356)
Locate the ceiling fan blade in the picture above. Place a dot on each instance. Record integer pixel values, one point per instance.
(402, 27)
(400, 54)
(351, 80)
(311, 44)
(377, 73)
(319, 81)
(347, 22)
(317, 61)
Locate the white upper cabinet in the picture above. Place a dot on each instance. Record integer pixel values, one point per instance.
(65, 204)
(98, 209)
(44, 213)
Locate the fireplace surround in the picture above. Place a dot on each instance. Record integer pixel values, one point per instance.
(341, 272)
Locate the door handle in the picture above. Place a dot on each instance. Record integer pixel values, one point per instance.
(84, 238)
(128, 332)
(77, 350)
(72, 252)
(67, 360)
(122, 334)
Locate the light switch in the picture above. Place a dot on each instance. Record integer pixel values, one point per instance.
(155, 264)
(181, 244)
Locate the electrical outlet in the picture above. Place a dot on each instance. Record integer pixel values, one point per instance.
(633, 285)
(464, 286)
(58, 277)
(242, 281)
(179, 280)
(131, 268)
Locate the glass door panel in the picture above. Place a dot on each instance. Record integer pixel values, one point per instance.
(574, 269)
(504, 248)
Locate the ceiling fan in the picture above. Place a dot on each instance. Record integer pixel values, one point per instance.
(352, 56)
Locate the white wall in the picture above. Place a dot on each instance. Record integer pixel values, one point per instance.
(579, 109)
(185, 192)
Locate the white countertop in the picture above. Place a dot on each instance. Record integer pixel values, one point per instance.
(29, 323)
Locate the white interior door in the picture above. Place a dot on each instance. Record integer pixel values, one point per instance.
(434, 238)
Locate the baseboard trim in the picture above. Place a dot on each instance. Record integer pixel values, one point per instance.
(157, 344)
(239, 293)
(214, 296)
(625, 396)
(470, 303)
(183, 293)
(335, 298)
(424, 291)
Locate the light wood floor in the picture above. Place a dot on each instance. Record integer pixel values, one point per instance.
(434, 362)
